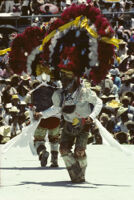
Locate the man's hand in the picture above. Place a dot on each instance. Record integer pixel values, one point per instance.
(88, 120)
(27, 122)
(88, 124)
(37, 115)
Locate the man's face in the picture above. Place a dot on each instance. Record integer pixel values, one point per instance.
(66, 79)
(15, 101)
(104, 120)
(124, 117)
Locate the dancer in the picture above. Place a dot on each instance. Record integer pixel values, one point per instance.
(41, 100)
(79, 107)
(77, 45)
(86, 107)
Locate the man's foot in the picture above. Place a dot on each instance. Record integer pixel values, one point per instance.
(54, 159)
(54, 165)
(79, 180)
(43, 158)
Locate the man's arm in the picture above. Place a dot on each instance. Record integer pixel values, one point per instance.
(55, 108)
(97, 102)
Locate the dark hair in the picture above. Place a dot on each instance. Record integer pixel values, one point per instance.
(46, 8)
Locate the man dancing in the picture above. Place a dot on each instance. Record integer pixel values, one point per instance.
(79, 107)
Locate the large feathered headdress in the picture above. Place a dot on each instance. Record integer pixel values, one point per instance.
(25, 52)
(81, 41)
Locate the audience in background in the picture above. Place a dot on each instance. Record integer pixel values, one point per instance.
(116, 90)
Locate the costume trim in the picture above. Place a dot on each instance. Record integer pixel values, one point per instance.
(24, 139)
(4, 51)
(81, 24)
(24, 49)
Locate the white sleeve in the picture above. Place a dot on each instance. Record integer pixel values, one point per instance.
(56, 98)
(90, 96)
(53, 110)
(97, 108)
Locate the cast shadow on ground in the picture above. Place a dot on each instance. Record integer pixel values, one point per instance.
(70, 184)
(109, 185)
(32, 168)
(60, 184)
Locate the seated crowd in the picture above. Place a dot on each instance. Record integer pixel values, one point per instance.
(116, 90)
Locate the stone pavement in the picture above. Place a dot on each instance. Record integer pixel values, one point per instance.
(110, 176)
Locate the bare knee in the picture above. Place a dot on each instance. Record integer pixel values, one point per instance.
(64, 150)
(79, 152)
(53, 139)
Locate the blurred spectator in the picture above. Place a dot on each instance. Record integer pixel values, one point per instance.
(107, 121)
(35, 7)
(9, 6)
(36, 22)
(107, 8)
(127, 17)
(122, 51)
(125, 100)
(13, 121)
(22, 92)
(15, 79)
(123, 3)
(8, 106)
(115, 77)
(4, 131)
(2, 71)
(126, 85)
(2, 6)
(122, 137)
(17, 6)
(97, 90)
(25, 7)
(117, 7)
(122, 34)
(107, 85)
(68, 3)
(130, 126)
(47, 12)
(62, 5)
(4, 41)
(25, 80)
(132, 36)
(23, 116)
(7, 92)
(15, 101)
(1, 108)
(122, 132)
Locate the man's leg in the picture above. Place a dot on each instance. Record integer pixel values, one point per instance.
(53, 135)
(11, 6)
(7, 6)
(71, 161)
(39, 143)
(80, 154)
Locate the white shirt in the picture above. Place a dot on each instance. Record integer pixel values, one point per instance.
(81, 98)
(25, 3)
